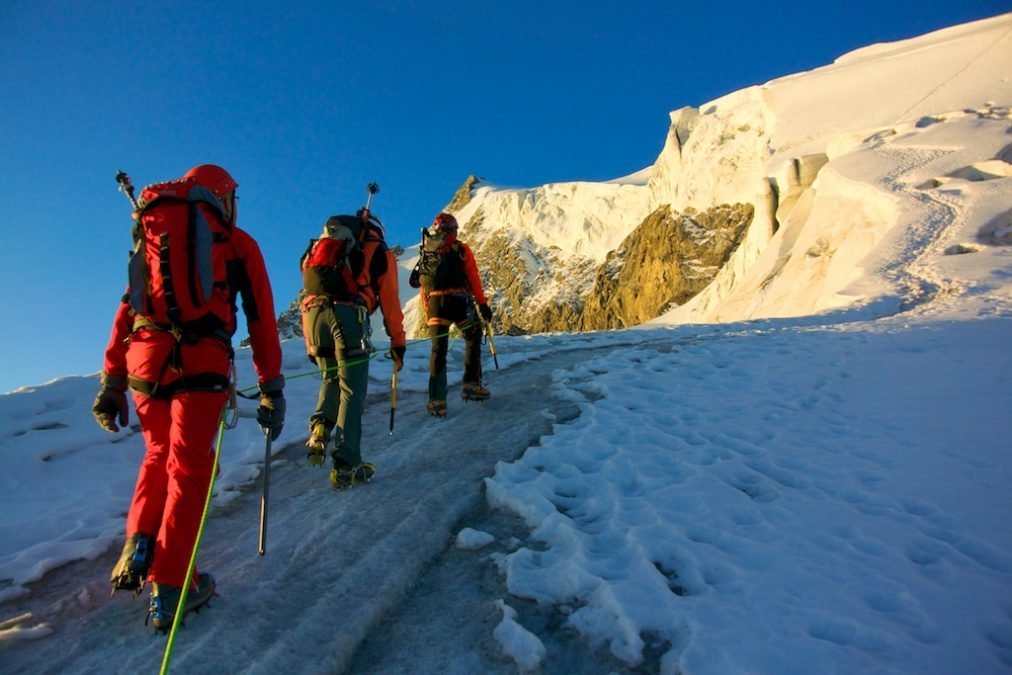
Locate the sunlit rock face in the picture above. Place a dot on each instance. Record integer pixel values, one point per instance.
(667, 260)
(535, 286)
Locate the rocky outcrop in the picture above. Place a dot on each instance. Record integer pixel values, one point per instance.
(666, 261)
(290, 322)
(463, 195)
(515, 270)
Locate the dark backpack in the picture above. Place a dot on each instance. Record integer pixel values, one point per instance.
(328, 265)
(439, 267)
(178, 270)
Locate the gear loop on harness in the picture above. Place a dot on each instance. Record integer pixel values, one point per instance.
(363, 318)
(230, 413)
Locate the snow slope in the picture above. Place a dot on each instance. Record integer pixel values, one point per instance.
(686, 500)
(804, 150)
(887, 119)
(817, 484)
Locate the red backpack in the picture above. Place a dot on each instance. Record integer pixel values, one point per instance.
(178, 268)
(327, 267)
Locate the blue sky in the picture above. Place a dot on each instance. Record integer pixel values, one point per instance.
(305, 103)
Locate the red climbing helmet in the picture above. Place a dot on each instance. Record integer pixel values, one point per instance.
(214, 178)
(444, 223)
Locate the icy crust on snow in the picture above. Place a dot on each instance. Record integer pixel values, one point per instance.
(470, 539)
(734, 487)
(47, 437)
(18, 628)
(522, 646)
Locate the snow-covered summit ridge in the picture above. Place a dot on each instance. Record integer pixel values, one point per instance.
(767, 145)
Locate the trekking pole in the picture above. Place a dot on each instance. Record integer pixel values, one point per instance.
(491, 344)
(188, 579)
(264, 497)
(393, 400)
(126, 187)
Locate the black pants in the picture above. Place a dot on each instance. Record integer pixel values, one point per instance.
(446, 311)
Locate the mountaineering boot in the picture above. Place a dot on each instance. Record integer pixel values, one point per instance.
(473, 391)
(135, 560)
(436, 408)
(344, 475)
(319, 437)
(165, 601)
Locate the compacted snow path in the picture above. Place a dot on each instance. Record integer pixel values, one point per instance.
(336, 563)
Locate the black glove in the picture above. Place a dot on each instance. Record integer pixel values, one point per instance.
(111, 403)
(414, 280)
(398, 355)
(486, 313)
(271, 411)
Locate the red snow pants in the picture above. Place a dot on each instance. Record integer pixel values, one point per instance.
(179, 435)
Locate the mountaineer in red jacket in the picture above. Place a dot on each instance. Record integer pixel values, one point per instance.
(179, 374)
(452, 294)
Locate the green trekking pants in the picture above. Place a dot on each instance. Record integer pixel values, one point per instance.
(334, 333)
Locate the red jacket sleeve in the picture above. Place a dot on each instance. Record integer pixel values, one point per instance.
(115, 351)
(258, 306)
(390, 301)
(473, 279)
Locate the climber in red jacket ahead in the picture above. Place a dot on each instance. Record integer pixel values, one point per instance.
(171, 344)
(451, 294)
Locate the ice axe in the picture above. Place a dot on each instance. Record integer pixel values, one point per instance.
(126, 187)
(393, 399)
(488, 334)
(263, 498)
(491, 344)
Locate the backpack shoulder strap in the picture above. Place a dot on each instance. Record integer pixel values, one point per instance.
(305, 256)
(380, 241)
